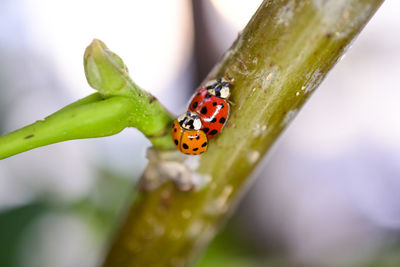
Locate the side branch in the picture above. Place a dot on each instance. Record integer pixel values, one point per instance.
(120, 103)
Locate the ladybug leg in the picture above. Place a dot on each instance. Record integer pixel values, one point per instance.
(230, 79)
(231, 124)
(233, 104)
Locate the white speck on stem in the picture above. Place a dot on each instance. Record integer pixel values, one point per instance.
(197, 180)
(219, 205)
(205, 236)
(333, 11)
(313, 80)
(164, 166)
(253, 156)
(266, 80)
(259, 130)
(158, 229)
(289, 117)
(268, 76)
(186, 214)
(330, 10)
(201, 180)
(192, 162)
(194, 229)
(341, 57)
(286, 13)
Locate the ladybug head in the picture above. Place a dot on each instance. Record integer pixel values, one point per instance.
(189, 121)
(219, 87)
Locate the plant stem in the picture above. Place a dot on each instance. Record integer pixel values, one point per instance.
(282, 55)
(87, 118)
(120, 103)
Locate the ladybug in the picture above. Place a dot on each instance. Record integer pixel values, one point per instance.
(187, 136)
(210, 102)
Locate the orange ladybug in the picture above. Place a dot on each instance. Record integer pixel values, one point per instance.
(187, 136)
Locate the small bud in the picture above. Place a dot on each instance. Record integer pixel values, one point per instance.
(105, 71)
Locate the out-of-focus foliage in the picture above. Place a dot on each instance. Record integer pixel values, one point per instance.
(13, 225)
(228, 249)
(98, 211)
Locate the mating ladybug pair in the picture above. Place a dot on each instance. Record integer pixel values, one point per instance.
(206, 116)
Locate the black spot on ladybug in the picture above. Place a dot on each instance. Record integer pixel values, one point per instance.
(195, 105)
(195, 149)
(214, 120)
(199, 93)
(203, 110)
(213, 132)
(208, 95)
(214, 104)
(204, 144)
(222, 120)
(185, 146)
(206, 130)
(198, 137)
(222, 105)
(176, 142)
(174, 130)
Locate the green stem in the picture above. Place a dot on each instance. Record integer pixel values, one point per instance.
(87, 118)
(120, 103)
(282, 55)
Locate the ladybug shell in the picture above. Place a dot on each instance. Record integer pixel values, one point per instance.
(192, 142)
(213, 111)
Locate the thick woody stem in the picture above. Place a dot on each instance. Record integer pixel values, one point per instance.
(282, 55)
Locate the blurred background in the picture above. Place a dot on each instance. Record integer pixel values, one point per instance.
(329, 194)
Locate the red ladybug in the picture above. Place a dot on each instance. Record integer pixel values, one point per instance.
(210, 102)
